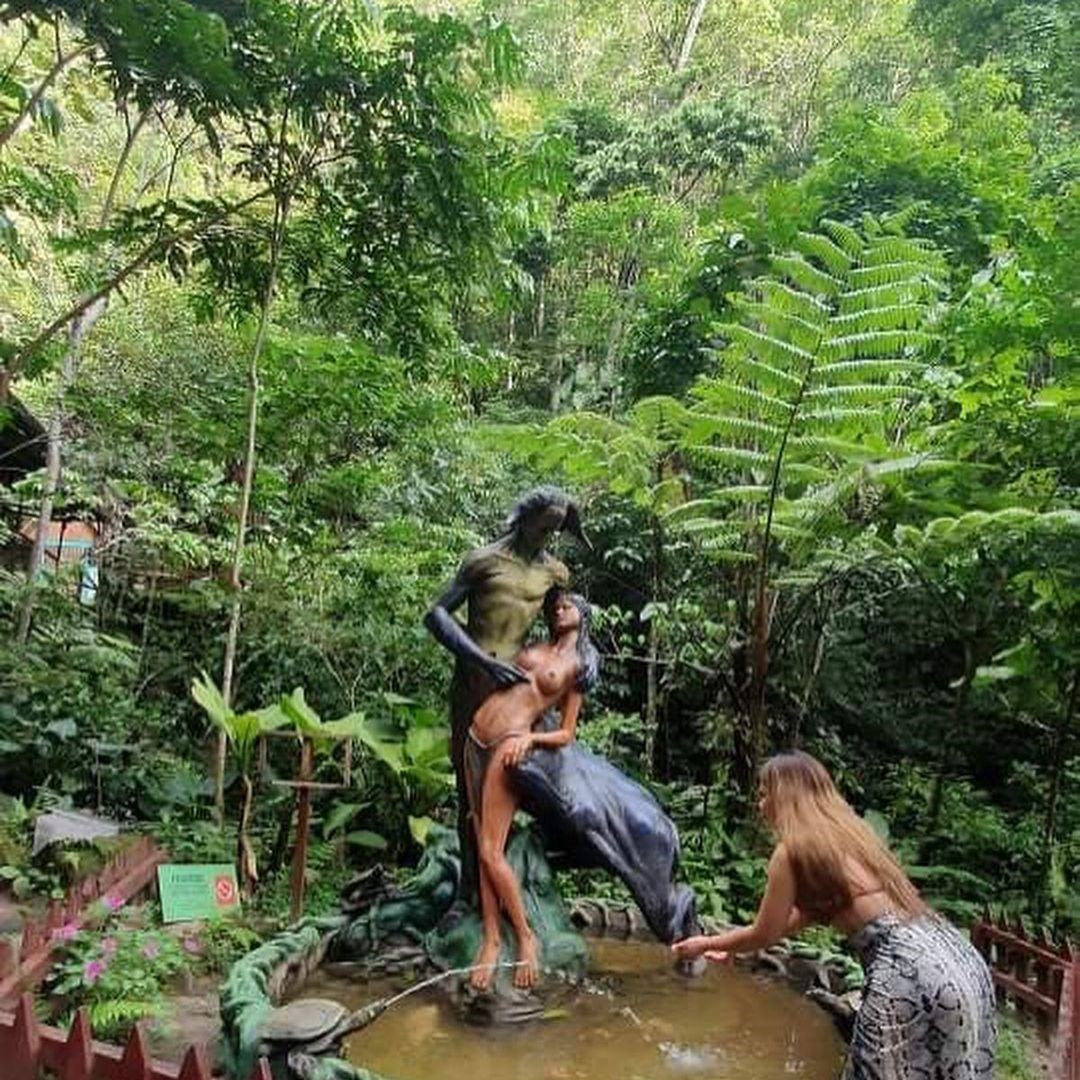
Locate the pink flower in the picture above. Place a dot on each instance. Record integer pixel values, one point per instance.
(150, 950)
(65, 932)
(108, 946)
(93, 971)
(190, 945)
(112, 901)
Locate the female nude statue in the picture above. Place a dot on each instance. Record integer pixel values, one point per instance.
(501, 734)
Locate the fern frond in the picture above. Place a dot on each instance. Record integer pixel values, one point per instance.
(834, 258)
(784, 325)
(113, 1019)
(823, 351)
(743, 493)
(663, 417)
(897, 249)
(791, 301)
(817, 419)
(719, 395)
(735, 456)
(844, 235)
(766, 376)
(835, 447)
(858, 394)
(889, 273)
(890, 317)
(786, 531)
(906, 464)
(692, 509)
(864, 369)
(708, 425)
(910, 291)
(803, 472)
(807, 276)
(873, 343)
(727, 554)
(715, 527)
(771, 350)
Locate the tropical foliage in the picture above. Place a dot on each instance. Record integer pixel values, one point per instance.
(297, 297)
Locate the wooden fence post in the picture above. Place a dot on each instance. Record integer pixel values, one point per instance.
(194, 1066)
(25, 1050)
(135, 1064)
(79, 1052)
(1072, 1052)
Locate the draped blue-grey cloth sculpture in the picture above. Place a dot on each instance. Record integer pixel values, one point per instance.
(593, 815)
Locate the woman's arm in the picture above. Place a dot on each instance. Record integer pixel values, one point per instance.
(551, 740)
(570, 707)
(776, 917)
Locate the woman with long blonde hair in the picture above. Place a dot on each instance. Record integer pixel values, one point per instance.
(928, 1003)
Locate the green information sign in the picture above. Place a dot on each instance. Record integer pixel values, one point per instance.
(197, 891)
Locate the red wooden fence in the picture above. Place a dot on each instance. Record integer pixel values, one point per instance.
(1041, 980)
(1067, 1043)
(27, 1048)
(123, 876)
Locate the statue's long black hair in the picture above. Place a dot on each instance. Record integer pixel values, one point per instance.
(539, 499)
(588, 673)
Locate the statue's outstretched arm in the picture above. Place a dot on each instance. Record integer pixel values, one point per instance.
(451, 635)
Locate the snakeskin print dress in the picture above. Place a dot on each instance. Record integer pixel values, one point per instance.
(928, 1004)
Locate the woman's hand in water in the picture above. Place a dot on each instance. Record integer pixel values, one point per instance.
(717, 956)
(692, 947)
(517, 750)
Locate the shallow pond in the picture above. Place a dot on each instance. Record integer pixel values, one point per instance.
(641, 1022)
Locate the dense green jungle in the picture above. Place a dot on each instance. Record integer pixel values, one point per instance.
(297, 298)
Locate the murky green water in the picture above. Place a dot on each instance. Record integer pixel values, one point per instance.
(650, 1024)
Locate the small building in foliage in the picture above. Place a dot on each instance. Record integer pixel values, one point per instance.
(73, 534)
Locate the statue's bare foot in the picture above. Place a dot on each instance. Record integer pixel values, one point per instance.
(528, 970)
(485, 962)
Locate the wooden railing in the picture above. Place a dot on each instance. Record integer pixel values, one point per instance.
(1041, 980)
(122, 877)
(27, 1048)
(1067, 1043)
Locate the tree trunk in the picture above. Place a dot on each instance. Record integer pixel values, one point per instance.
(39, 93)
(808, 686)
(656, 740)
(652, 694)
(53, 466)
(155, 249)
(235, 584)
(764, 604)
(246, 866)
(759, 674)
(937, 790)
(1057, 771)
(81, 326)
(693, 24)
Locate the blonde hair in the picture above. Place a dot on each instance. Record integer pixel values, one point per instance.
(823, 836)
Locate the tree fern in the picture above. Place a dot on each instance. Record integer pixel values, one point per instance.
(827, 349)
(824, 356)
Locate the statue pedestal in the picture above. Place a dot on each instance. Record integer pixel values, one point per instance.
(427, 912)
(455, 941)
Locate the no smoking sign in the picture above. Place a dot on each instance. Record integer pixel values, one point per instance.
(191, 892)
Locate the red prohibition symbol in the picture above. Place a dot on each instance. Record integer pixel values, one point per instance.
(224, 891)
